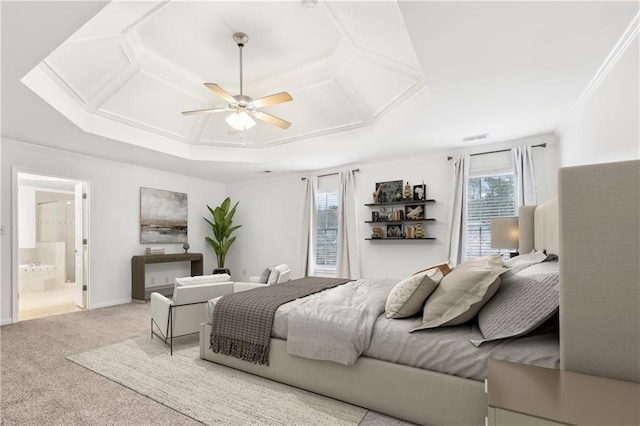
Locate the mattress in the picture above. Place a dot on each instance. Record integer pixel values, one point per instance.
(448, 350)
(445, 349)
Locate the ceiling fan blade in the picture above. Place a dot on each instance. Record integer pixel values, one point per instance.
(272, 99)
(205, 111)
(271, 119)
(221, 92)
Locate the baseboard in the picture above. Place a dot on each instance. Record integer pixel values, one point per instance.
(6, 321)
(110, 303)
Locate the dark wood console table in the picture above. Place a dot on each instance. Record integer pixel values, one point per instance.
(138, 263)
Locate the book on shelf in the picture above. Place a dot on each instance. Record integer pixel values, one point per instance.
(154, 250)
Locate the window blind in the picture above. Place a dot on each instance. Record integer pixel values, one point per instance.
(488, 196)
(326, 226)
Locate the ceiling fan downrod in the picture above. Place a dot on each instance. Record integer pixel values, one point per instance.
(241, 39)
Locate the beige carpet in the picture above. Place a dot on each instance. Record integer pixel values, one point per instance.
(40, 386)
(208, 392)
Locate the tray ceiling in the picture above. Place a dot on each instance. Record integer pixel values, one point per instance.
(129, 72)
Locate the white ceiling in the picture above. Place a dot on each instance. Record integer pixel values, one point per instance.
(369, 79)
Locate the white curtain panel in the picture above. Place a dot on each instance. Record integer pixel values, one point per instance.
(347, 262)
(308, 218)
(525, 178)
(458, 212)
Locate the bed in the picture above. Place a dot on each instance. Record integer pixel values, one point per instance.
(599, 329)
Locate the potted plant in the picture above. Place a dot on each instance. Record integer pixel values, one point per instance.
(222, 226)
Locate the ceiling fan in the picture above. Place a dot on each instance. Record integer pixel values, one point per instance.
(242, 107)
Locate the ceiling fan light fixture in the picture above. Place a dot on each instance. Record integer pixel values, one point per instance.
(240, 120)
(244, 108)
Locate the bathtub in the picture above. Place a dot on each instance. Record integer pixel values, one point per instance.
(36, 277)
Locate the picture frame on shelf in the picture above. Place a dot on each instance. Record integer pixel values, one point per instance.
(414, 211)
(419, 192)
(388, 191)
(394, 231)
(376, 233)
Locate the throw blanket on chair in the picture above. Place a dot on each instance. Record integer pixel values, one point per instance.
(242, 321)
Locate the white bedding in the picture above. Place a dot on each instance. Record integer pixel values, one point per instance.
(341, 323)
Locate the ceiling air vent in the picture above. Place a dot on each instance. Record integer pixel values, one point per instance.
(475, 137)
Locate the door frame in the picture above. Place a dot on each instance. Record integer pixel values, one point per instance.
(14, 234)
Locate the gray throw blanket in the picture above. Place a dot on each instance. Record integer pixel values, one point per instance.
(242, 321)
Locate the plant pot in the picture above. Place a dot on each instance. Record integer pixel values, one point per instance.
(221, 271)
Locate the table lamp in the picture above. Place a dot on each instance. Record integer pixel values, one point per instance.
(504, 233)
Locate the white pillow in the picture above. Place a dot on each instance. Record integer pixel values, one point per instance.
(526, 259)
(203, 279)
(274, 276)
(485, 262)
(408, 296)
(200, 280)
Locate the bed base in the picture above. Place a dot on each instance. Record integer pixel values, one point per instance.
(413, 394)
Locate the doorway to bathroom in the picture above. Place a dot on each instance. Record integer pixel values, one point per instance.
(52, 246)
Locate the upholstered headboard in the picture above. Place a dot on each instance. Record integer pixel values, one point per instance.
(539, 227)
(594, 228)
(599, 272)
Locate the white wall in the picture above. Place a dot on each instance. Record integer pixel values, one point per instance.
(397, 259)
(606, 127)
(270, 211)
(114, 191)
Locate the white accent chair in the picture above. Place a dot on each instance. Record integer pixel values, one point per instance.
(184, 314)
(274, 275)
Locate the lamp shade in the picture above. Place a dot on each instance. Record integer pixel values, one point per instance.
(504, 232)
(240, 120)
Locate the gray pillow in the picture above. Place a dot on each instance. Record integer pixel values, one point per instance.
(524, 302)
(264, 276)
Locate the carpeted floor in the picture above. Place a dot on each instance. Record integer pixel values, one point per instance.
(39, 385)
(209, 392)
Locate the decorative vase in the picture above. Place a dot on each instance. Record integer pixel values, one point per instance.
(419, 233)
(407, 191)
(221, 271)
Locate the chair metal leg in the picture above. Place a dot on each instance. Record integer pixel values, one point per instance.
(170, 329)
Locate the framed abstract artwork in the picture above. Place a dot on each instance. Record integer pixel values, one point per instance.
(163, 216)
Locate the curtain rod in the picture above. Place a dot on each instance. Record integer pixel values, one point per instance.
(540, 145)
(331, 174)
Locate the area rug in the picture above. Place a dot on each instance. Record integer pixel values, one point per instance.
(208, 392)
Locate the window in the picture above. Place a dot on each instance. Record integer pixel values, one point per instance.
(489, 194)
(326, 224)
